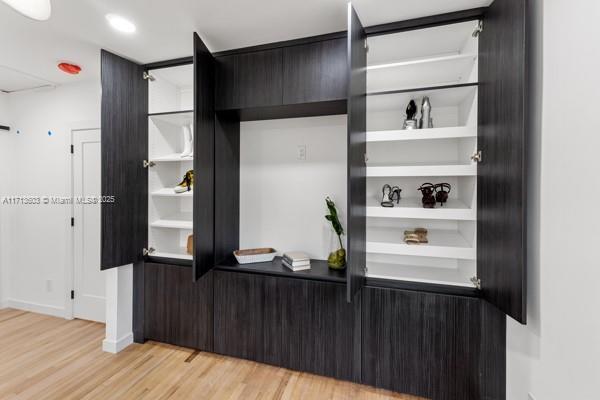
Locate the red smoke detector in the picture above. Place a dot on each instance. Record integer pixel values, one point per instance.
(69, 68)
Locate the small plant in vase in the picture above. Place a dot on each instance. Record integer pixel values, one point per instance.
(337, 258)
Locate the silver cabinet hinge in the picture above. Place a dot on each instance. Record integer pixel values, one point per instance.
(366, 158)
(478, 29)
(149, 251)
(366, 46)
(149, 163)
(148, 76)
(476, 282)
(477, 157)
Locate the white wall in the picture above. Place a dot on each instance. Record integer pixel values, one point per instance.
(6, 156)
(557, 355)
(39, 235)
(275, 185)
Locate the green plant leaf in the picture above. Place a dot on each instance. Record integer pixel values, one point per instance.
(333, 217)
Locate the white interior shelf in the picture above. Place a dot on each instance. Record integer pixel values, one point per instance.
(454, 132)
(179, 118)
(442, 244)
(421, 72)
(440, 276)
(175, 221)
(439, 97)
(412, 208)
(169, 192)
(178, 253)
(429, 169)
(175, 157)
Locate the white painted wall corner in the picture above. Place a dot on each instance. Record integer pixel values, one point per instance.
(119, 309)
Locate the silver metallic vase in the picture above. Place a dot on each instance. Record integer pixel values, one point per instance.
(426, 121)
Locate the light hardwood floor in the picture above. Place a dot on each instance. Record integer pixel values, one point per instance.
(43, 357)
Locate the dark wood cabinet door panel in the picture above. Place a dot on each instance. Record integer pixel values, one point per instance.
(421, 343)
(501, 182)
(317, 328)
(177, 310)
(315, 72)
(248, 80)
(204, 158)
(124, 118)
(293, 323)
(227, 184)
(357, 150)
(248, 317)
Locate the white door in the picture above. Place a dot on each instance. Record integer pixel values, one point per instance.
(88, 280)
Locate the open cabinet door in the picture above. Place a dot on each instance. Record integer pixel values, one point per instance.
(501, 194)
(357, 150)
(124, 142)
(204, 156)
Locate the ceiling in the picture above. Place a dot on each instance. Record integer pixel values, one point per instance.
(30, 50)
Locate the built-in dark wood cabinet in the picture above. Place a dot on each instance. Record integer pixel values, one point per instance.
(204, 159)
(248, 80)
(433, 338)
(300, 324)
(289, 80)
(429, 344)
(177, 310)
(124, 118)
(502, 185)
(315, 72)
(357, 153)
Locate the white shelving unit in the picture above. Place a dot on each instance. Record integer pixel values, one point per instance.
(175, 157)
(411, 207)
(170, 214)
(168, 192)
(443, 169)
(442, 244)
(176, 221)
(453, 132)
(432, 71)
(431, 60)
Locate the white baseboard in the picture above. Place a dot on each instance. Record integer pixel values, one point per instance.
(111, 346)
(35, 307)
(3, 304)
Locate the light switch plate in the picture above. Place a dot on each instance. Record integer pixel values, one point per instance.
(301, 152)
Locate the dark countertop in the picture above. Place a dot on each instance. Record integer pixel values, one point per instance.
(318, 271)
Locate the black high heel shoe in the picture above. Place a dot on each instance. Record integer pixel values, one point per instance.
(441, 195)
(427, 189)
(395, 194)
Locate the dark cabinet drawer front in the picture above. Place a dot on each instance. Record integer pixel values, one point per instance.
(315, 72)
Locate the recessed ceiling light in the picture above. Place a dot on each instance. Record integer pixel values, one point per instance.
(121, 24)
(39, 10)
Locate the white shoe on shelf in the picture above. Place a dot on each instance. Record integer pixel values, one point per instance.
(188, 142)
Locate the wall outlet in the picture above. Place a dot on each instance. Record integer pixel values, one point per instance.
(301, 152)
(49, 285)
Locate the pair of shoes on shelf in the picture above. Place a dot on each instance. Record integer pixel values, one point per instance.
(416, 236)
(186, 184)
(188, 142)
(389, 194)
(432, 194)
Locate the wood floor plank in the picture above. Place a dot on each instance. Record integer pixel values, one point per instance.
(48, 358)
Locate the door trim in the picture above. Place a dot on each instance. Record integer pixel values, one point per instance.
(74, 127)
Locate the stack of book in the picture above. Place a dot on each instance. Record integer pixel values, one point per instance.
(296, 261)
